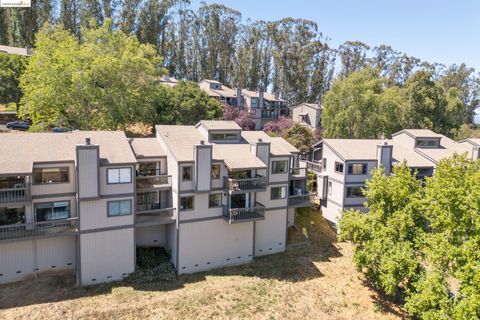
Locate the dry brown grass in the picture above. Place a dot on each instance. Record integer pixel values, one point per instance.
(318, 282)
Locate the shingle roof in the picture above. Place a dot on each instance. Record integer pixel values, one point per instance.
(146, 148)
(218, 125)
(21, 150)
(366, 149)
(310, 105)
(278, 146)
(419, 133)
(180, 140)
(448, 147)
(473, 141)
(237, 156)
(15, 50)
(266, 95)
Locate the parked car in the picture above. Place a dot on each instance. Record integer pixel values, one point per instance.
(18, 125)
(61, 129)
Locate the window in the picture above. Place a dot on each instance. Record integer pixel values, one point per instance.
(217, 136)
(148, 169)
(223, 136)
(357, 168)
(230, 136)
(279, 166)
(330, 187)
(338, 167)
(12, 215)
(324, 164)
(215, 200)
(119, 175)
(52, 211)
(278, 193)
(187, 173)
(428, 142)
(354, 192)
(119, 208)
(50, 175)
(216, 171)
(186, 203)
(254, 102)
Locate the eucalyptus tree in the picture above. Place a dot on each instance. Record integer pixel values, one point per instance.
(353, 57)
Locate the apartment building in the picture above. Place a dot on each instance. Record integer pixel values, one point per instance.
(308, 114)
(210, 194)
(263, 106)
(227, 96)
(66, 203)
(168, 81)
(346, 164)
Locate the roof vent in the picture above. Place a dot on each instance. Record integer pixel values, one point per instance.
(385, 143)
(87, 141)
(260, 140)
(202, 142)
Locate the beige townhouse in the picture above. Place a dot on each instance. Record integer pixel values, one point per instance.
(308, 114)
(212, 195)
(346, 164)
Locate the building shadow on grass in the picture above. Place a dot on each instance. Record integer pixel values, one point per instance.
(292, 266)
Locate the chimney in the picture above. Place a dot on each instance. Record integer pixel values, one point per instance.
(203, 166)
(261, 150)
(239, 98)
(260, 99)
(476, 153)
(384, 157)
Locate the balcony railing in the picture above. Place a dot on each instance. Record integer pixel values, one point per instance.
(38, 229)
(298, 173)
(147, 173)
(314, 166)
(14, 195)
(245, 185)
(154, 182)
(152, 208)
(235, 215)
(301, 200)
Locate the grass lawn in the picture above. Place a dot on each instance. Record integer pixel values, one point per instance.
(315, 282)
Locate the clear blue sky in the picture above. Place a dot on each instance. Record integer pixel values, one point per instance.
(436, 31)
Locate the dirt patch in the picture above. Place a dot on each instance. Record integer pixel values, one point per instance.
(316, 282)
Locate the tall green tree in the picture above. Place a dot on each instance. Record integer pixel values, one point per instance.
(11, 67)
(105, 82)
(353, 56)
(360, 107)
(185, 104)
(300, 137)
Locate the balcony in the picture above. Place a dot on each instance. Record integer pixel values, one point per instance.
(304, 199)
(154, 214)
(245, 185)
(298, 173)
(14, 195)
(315, 166)
(236, 215)
(157, 182)
(42, 229)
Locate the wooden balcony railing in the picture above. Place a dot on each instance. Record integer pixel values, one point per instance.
(14, 195)
(38, 229)
(235, 215)
(245, 185)
(154, 182)
(301, 200)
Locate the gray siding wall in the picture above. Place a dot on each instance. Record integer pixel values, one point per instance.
(203, 167)
(56, 188)
(88, 171)
(118, 188)
(107, 256)
(93, 214)
(154, 236)
(270, 233)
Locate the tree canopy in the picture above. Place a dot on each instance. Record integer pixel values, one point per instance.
(366, 105)
(421, 244)
(11, 67)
